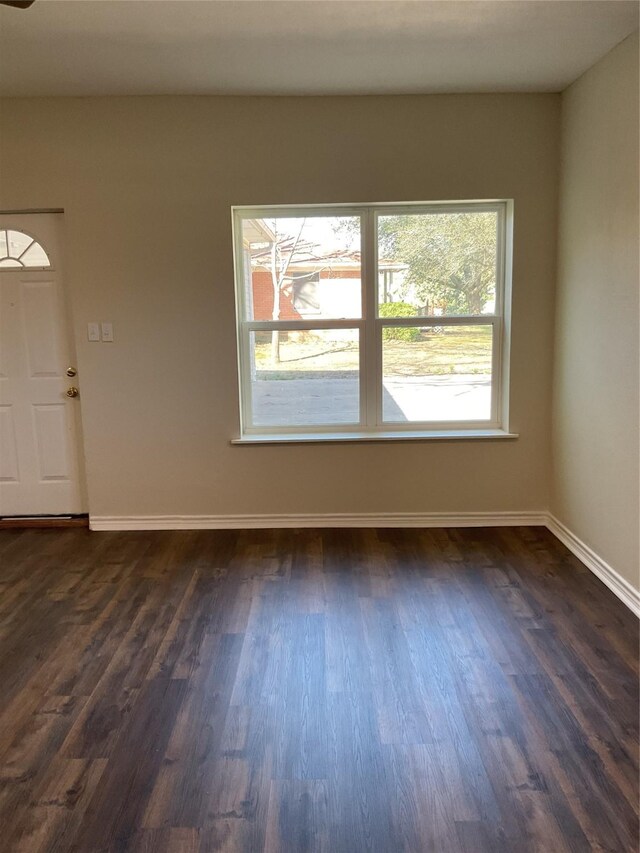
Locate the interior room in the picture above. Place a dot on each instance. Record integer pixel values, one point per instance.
(319, 426)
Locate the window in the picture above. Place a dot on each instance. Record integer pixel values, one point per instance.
(20, 251)
(373, 321)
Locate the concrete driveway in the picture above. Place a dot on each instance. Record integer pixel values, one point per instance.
(306, 401)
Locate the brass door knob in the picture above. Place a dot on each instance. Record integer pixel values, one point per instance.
(72, 391)
(71, 371)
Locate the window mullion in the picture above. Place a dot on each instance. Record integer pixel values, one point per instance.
(371, 382)
(299, 325)
(444, 320)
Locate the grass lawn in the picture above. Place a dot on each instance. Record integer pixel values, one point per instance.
(454, 350)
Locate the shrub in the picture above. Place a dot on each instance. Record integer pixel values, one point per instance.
(399, 333)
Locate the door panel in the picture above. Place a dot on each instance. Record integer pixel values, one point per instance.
(41, 328)
(51, 429)
(8, 446)
(11, 328)
(40, 461)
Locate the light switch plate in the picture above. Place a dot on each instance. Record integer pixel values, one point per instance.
(107, 333)
(93, 332)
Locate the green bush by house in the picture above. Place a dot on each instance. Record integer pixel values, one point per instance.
(399, 309)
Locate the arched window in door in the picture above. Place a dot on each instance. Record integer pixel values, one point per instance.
(19, 250)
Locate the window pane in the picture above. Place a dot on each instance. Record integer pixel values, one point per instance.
(35, 256)
(302, 268)
(305, 378)
(435, 264)
(440, 373)
(18, 242)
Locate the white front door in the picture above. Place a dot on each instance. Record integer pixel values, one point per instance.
(39, 453)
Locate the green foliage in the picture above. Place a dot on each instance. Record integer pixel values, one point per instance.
(451, 257)
(399, 309)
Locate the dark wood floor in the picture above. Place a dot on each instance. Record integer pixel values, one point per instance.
(313, 690)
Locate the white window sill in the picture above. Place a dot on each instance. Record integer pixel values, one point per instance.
(399, 435)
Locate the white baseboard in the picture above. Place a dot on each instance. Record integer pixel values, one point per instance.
(616, 583)
(608, 575)
(387, 519)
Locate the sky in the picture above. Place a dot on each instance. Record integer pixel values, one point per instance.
(323, 230)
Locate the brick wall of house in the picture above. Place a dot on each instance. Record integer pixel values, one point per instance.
(263, 299)
(263, 293)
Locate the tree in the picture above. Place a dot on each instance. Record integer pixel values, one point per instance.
(451, 257)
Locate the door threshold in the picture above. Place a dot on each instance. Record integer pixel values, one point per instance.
(12, 521)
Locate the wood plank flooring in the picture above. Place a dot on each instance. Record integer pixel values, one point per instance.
(313, 690)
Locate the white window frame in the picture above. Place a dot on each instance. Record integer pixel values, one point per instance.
(371, 425)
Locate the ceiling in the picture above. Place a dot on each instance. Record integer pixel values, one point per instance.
(304, 47)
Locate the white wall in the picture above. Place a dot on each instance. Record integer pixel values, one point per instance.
(595, 399)
(147, 185)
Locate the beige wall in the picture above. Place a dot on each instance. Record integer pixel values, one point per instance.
(147, 185)
(595, 423)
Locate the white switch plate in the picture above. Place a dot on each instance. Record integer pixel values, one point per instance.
(107, 333)
(93, 332)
